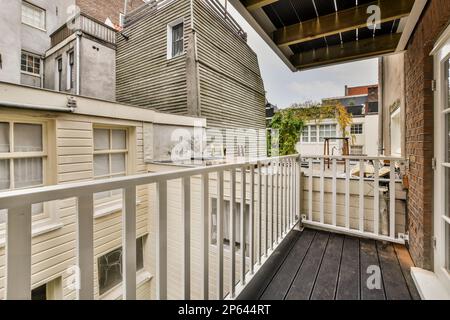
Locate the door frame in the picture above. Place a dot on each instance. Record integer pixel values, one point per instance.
(441, 54)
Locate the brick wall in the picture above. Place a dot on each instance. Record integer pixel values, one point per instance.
(419, 128)
(103, 9)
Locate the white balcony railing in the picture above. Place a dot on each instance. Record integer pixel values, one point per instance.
(276, 179)
(338, 198)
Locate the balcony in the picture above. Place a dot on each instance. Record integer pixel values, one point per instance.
(191, 256)
(87, 25)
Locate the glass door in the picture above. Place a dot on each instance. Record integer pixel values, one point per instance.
(442, 163)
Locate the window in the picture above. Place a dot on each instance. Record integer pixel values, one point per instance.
(33, 16)
(327, 131)
(30, 63)
(110, 266)
(110, 160)
(22, 159)
(356, 128)
(59, 73)
(70, 64)
(49, 291)
(305, 134)
(175, 39)
(226, 223)
(121, 20)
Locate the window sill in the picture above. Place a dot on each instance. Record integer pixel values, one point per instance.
(169, 58)
(38, 231)
(114, 208)
(114, 294)
(30, 74)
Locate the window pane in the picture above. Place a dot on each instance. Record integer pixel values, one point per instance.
(118, 163)
(4, 137)
(140, 253)
(110, 270)
(448, 139)
(101, 139)
(28, 172)
(305, 134)
(101, 165)
(37, 208)
(27, 137)
(39, 293)
(119, 139)
(4, 175)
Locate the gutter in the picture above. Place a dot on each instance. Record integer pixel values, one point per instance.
(78, 63)
(71, 106)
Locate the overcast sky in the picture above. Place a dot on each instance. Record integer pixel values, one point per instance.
(285, 87)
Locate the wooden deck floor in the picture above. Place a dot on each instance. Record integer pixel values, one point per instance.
(316, 265)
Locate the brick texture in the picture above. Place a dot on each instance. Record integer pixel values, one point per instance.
(419, 128)
(103, 9)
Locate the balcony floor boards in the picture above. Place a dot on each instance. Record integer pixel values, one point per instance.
(317, 265)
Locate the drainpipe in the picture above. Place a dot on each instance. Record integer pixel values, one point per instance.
(125, 8)
(380, 106)
(78, 63)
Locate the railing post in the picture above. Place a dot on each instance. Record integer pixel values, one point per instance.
(310, 187)
(186, 216)
(161, 240)
(392, 200)
(205, 234)
(243, 226)
(259, 242)
(334, 191)
(322, 190)
(376, 190)
(266, 207)
(362, 169)
(232, 223)
(252, 218)
(18, 253)
(275, 169)
(347, 193)
(220, 214)
(85, 247)
(129, 243)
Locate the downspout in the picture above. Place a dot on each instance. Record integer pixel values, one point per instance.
(380, 106)
(78, 63)
(125, 8)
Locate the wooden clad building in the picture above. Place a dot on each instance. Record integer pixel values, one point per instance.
(190, 57)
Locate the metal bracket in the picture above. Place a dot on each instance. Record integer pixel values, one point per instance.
(433, 163)
(404, 236)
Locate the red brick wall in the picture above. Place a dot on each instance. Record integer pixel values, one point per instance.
(419, 128)
(103, 9)
(356, 91)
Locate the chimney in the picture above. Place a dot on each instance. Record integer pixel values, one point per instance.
(346, 90)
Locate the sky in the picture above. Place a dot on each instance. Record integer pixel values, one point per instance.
(285, 87)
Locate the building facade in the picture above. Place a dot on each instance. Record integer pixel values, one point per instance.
(362, 104)
(188, 57)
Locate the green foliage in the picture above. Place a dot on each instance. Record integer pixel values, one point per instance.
(289, 127)
(289, 122)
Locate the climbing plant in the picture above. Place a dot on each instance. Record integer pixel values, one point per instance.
(289, 127)
(289, 122)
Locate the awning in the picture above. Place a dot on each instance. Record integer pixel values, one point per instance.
(313, 33)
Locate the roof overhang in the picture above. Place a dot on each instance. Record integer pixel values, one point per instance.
(308, 34)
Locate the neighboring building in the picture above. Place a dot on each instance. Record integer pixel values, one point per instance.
(49, 138)
(49, 44)
(362, 104)
(270, 112)
(190, 57)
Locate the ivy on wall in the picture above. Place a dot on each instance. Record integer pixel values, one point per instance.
(289, 122)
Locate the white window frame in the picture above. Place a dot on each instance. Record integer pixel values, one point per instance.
(170, 27)
(54, 290)
(114, 203)
(121, 19)
(58, 73)
(70, 69)
(326, 131)
(441, 54)
(360, 128)
(141, 274)
(48, 220)
(36, 8)
(35, 56)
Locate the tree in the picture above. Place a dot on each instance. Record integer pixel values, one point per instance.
(289, 126)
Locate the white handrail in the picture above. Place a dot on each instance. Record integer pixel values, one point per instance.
(18, 203)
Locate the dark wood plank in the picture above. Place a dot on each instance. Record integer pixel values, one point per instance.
(348, 283)
(303, 284)
(406, 264)
(369, 257)
(263, 277)
(279, 286)
(394, 282)
(326, 282)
